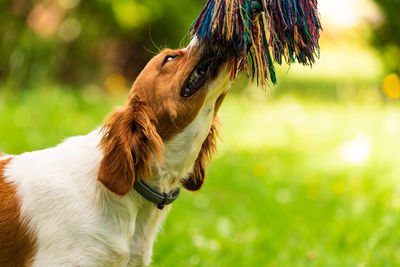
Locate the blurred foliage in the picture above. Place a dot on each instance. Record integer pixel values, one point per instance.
(387, 34)
(75, 41)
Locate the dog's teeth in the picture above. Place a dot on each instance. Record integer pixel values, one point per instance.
(196, 76)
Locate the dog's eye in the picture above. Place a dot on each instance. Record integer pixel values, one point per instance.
(169, 58)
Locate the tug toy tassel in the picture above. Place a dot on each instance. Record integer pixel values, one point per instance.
(250, 31)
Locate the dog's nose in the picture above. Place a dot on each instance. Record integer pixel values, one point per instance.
(194, 45)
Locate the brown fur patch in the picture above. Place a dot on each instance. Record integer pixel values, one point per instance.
(129, 141)
(160, 86)
(17, 246)
(209, 147)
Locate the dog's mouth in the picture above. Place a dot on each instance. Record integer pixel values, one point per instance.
(206, 69)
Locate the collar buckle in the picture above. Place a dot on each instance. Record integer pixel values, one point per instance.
(161, 205)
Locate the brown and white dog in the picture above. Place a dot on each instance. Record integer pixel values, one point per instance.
(73, 205)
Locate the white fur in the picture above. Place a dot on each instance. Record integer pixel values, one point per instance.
(76, 221)
(5, 157)
(193, 43)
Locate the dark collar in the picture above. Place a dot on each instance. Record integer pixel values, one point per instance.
(151, 194)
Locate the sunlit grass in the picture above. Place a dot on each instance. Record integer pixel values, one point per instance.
(297, 181)
(283, 191)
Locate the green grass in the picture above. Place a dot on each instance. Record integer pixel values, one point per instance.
(279, 193)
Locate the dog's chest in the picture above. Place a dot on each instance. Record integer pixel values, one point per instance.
(135, 223)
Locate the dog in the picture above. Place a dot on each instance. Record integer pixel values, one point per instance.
(99, 199)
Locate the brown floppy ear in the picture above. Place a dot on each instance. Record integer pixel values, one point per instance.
(130, 142)
(195, 181)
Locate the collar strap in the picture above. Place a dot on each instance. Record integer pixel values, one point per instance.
(151, 194)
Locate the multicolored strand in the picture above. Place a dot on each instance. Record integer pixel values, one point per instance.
(248, 31)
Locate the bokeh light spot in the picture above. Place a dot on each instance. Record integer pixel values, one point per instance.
(199, 241)
(214, 245)
(45, 20)
(115, 83)
(391, 86)
(92, 93)
(338, 188)
(202, 201)
(124, 9)
(283, 196)
(70, 30)
(311, 255)
(224, 226)
(358, 150)
(259, 170)
(69, 4)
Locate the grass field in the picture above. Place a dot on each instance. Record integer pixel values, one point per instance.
(297, 182)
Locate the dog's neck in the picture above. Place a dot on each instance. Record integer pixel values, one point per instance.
(182, 151)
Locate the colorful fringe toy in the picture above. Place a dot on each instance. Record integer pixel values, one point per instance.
(247, 30)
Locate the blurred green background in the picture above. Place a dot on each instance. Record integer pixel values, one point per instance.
(308, 171)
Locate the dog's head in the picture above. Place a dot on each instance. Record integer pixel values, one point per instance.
(166, 97)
